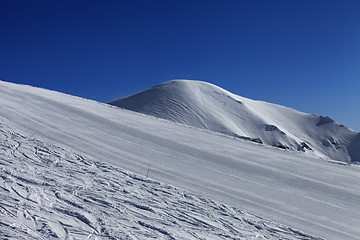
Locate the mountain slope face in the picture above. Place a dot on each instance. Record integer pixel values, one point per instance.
(209, 107)
(75, 167)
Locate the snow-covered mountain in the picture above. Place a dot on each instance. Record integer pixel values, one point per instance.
(72, 168)
(206, 106)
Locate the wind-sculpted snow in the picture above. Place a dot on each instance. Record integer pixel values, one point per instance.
(48, 192)
(209, 107)
(317, 197)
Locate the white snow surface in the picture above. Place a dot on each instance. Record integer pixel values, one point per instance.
(206, 106)
(48, 192)
(75, 168)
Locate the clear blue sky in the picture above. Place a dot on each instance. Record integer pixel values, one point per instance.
(302, 54)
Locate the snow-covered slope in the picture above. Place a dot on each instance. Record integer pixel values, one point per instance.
(48, 192)
(75, 167)
(209, 107)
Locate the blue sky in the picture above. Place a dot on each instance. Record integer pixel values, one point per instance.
(300, 54)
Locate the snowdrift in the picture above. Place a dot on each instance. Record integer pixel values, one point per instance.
(206, 106)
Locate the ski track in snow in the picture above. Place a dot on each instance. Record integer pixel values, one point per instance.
(49, 192)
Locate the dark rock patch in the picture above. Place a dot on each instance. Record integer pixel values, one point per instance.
(282, 146)
(305, 146)
(273, 128)
(324, 120)
(257, 140)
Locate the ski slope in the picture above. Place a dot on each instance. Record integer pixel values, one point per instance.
(66, 141)
(48, 192)
(206, 106)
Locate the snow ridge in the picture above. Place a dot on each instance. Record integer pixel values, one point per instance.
(206, 106)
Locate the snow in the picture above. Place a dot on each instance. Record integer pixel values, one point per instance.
(209, 107)
(51, 192)
(75, 167)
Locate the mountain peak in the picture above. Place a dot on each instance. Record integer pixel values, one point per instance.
(207, 106)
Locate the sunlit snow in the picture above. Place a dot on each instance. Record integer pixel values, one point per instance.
(76, 168)
(209, 107)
